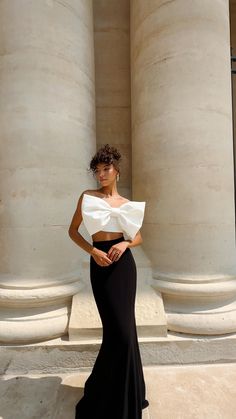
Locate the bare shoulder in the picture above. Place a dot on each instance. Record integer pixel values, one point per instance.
(87, 192)
(92, 192)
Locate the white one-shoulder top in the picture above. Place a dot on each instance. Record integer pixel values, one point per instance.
(98, 215)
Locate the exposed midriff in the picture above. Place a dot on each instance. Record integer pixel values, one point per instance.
(106, 235)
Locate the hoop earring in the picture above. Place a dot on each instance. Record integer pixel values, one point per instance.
(117, 177)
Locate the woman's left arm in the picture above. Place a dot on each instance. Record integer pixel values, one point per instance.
(136, 241)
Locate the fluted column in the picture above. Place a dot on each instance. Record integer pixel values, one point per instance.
(183, 158)
(47, 137)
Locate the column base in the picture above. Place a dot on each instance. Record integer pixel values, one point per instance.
(33, 312)
(198, 305)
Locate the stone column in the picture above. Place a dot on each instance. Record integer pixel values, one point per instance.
(47, 123)
(233, 52)
(183, 158)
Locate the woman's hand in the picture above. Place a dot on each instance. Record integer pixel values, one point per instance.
(100, 257)
(115, 252)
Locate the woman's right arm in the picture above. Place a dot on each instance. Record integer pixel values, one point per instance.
(99, 256)
(73, 229)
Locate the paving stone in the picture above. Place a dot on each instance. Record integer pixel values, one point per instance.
(174, 392)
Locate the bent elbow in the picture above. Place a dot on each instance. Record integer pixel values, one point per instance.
(70, 231)
(140, 239)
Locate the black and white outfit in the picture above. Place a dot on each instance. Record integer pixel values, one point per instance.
(116, 387)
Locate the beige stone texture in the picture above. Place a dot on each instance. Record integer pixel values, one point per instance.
(176, 392)
(232, 4)
(62, 355)
(182, 139)
(47, 119)
(112, 82)
(180, 160)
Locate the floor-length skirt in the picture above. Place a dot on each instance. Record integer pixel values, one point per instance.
(115, 388)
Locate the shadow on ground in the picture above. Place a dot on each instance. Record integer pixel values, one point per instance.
(38, 398)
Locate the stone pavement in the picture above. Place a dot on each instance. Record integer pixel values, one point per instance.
(205, 391)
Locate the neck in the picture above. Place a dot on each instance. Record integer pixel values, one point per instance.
(110, 190)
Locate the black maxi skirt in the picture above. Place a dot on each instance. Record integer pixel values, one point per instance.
(115, 388)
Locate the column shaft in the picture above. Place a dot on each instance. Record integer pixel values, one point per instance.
(47, 137)
(183, 157)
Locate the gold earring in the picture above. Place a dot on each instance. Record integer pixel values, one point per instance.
(117, 177)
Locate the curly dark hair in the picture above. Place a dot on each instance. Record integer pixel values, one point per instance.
(106, 154)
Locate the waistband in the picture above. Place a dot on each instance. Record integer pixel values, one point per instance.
(108, 242)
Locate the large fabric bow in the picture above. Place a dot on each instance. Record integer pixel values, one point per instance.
(97, 213)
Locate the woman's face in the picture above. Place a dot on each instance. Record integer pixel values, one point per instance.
(105, 173)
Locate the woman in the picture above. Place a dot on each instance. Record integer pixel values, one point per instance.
(115, 388)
